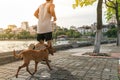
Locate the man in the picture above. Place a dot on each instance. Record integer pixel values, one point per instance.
(45, 13)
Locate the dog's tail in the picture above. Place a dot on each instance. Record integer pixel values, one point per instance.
(19, 55)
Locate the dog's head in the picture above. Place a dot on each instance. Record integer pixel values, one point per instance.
(51, 50)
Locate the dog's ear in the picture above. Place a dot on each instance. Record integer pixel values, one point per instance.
(45, 45)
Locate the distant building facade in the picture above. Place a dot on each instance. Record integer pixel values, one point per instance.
(84, 29)
(24, 25)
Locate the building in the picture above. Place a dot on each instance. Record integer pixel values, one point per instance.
(105, 28)
(17, 30)
(32, 30)
(25, 25)
(12, 26)
(94, 27)
(84, 29)
(73, 28)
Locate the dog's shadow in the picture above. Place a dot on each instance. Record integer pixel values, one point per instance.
(56, 74)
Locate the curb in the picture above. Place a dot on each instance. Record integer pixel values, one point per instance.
(7, 59)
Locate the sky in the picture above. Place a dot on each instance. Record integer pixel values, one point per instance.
(17, 11)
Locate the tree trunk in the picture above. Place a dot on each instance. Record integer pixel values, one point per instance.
(118, 33)
(118, 37)
(99, 27)
(118, 24)
(97, 41)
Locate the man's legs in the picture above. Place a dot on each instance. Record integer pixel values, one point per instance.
(40, 39)
(41, 42)
(48, 38)
(49, 43)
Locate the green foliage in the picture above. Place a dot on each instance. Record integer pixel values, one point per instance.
(82, 3)
(69, 32)
(10, 36)
(112, 32)
(3, 36)
(110, 11)
(24, 34)
(7, 31)
(90, 34)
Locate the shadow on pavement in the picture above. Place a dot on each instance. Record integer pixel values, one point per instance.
(56, 74)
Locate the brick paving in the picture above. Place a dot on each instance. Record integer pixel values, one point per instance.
(67, 66)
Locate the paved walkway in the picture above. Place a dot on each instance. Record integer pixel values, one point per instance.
(69, 65)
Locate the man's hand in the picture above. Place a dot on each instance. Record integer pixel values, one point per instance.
(54, 19)
(36, 13)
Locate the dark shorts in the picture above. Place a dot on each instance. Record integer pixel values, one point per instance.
(44, 36)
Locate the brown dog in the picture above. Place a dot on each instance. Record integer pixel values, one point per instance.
(36, 55)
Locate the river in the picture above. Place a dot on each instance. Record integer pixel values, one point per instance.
(6, 46)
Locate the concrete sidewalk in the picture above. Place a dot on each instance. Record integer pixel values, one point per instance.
(69, 65)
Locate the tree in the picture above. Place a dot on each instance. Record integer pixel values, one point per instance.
(10, 36)
(99, 27)
(24, 34)
(113, 8)
(99, 20)
(83, 3)
(112, 33)
(70, 33)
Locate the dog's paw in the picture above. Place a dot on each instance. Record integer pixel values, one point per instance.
(32, 74)
(16, 75)
(51, 69)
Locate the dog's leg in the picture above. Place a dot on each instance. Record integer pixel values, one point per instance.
(19, 69)
(27, 66)
(48, 64)
(27, 69)
(36, 64)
